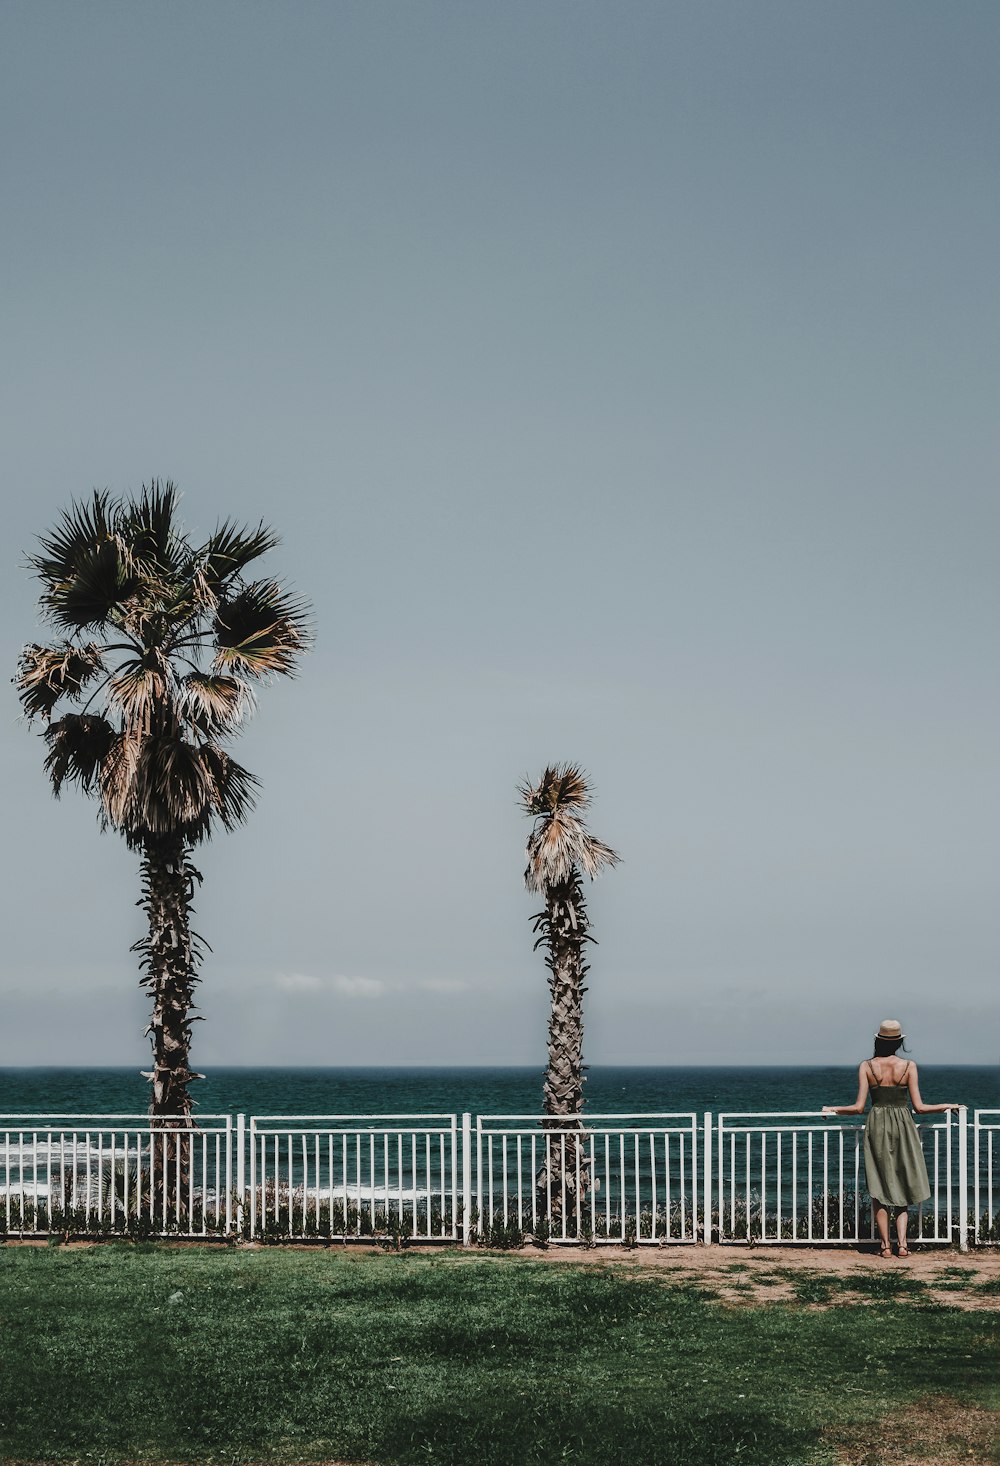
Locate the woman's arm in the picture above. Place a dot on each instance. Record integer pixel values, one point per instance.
(859, 1103)
(917, 1102)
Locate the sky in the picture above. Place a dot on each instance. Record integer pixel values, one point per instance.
(622, 381)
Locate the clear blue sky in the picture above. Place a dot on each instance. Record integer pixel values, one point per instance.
(623, 381)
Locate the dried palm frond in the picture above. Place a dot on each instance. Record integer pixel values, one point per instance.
(139, 688)
(45, 674)
(174, 782)
(78, 745)
(119, 796)
(560, 842)
(562, 786)
(233, 787)
(213, 703)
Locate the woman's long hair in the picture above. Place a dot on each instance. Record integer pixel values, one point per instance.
(886, 1047)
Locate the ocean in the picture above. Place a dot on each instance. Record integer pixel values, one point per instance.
(484, 1091)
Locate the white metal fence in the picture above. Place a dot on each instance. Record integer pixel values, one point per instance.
(798, 1178)
(986, 1176)
(602, 1178)
(343, 1176)
(116, 1175)
(625, 1179)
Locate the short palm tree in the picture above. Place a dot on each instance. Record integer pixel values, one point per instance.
(161, 645)
(560, 851)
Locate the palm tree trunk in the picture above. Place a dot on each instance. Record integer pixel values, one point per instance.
(563, 1088)
(565, 1175)
(170, 957)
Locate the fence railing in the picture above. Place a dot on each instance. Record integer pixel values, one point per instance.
(115, 1175)
(626, 1179)
(343, 1176)
(796, 1177)
(986, 1176)
(598, 1178)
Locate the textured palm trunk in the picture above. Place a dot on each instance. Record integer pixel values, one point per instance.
(564, 1177)
(170, 957)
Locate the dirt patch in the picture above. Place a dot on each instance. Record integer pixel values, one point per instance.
(937, 1429)
(821, 1277)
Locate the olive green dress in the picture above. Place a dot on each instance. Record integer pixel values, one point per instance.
(894, 1161)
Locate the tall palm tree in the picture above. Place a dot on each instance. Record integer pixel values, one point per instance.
(560, 851)
(161, 643)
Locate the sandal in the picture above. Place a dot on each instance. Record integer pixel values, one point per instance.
(904, 1251)
(886, 1251)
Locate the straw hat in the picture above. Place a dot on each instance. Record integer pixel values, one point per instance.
(889, 1028)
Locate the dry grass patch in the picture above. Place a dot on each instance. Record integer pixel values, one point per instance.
(935, 1429)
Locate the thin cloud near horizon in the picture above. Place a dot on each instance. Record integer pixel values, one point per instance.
(353, 986)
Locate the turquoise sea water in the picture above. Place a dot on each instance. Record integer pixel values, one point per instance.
(500, 1091)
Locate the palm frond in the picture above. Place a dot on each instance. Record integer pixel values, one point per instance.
(263, 629)
(139, 688)
(78, 745)
(234, 788)
(173, 790)
(595, 855)
(230, 550)
(79, 528)
(148, 527)
(560, 842)
(125, 566)
(45, 674)
(97, 584)
(562, 786)
(214, 703)
(119, 797)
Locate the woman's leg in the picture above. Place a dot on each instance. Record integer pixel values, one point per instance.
(881, 1224)
(902, 1221)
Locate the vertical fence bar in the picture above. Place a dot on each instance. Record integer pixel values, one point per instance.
(963, 1179)
(763, 1185)
(466, 1179)
(948, 1163)
(652, 1183)
(638, 1195)
(694, 1171)
(695, 1179)
(777, 1191)
(253, 1177)
(489, 1172)
(479, 1174)
(975, 1180)
(707, 1189)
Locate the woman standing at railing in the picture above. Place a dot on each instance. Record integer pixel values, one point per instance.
(894, 1162)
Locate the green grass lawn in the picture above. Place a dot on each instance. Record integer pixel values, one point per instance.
(117, 1353)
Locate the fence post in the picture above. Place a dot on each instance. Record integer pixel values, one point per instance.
(975, 1176)
(963, 1179)
(706, 1190)
(241, 1123)
(466, 1178)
